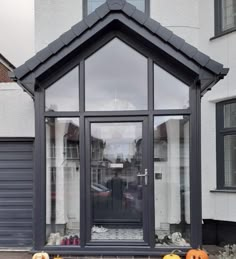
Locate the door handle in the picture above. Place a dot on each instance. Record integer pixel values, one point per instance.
(145, 175)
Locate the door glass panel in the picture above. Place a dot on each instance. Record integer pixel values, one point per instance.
(169, 92)
(62, 181)
(116, 80)
(63, 95)
(230, 115)
(116, 190)
(171, 181)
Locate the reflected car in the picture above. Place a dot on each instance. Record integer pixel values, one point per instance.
(100, 190)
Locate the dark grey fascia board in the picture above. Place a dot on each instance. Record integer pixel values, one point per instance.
(128, 15)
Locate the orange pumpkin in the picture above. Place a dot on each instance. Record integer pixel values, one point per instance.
(41, 255)
(172, 255)
(196, 254)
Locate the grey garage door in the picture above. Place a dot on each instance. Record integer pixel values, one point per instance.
(16, 193)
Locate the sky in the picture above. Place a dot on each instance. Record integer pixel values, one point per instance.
(17, 30)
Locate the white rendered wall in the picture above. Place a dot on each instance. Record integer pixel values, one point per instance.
(16, 112)
(218, 206)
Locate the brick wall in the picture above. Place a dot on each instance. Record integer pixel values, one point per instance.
(4, 78)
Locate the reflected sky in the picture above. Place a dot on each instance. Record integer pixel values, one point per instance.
(169, 92)
(116, 79)
(63, 95)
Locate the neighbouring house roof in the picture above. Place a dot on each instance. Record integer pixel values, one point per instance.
(5, 67)
(126, 13)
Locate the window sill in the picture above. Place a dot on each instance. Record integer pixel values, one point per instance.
(223, 33)
(224, 190)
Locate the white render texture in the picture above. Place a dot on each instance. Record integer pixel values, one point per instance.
(16, 111)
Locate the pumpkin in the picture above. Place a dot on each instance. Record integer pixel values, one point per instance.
(41, 255)
(172, 255)
(196, 254)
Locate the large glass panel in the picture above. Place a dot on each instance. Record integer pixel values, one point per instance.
(116, 188)
(116, 80)
(230, 160)
(230, 115)
(228, 14)
(171, 181)
(169, 92)
(93, 4)
(63, 95)
(62, 181)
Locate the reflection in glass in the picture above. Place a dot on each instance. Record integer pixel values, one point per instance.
(171, 179)
(229, 160)
(62, 181)
(63, 95)
(116, 191)
(169, 92)
(230, 115)
(116, 79)
(228, 14)
(93, 4)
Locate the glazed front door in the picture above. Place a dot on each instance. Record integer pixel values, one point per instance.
(117, 179)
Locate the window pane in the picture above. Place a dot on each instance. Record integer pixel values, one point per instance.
(116, 80)
(230, 160)
(228, 14)
(63, 95)
(169, 92)
(93, 4)
(171, 181)
(230, 115)
(62, 181)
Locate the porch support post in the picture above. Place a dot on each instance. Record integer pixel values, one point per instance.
(195, 165)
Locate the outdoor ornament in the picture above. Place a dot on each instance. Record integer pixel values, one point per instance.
(41, 255)
(172, 255)
(196, 254)
(58, 257)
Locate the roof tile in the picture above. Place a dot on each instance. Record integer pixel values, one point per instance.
(139, 16)
(67, 37)
(164, 33)
(91, 19)
(21, 71)
(102, 10)
(188, 50)
(176, 41)
(201, 58)
(32, 63)
(56, 45)
(79, 28)
(116, 4)
(214, 66)
(129, 9)
(44, 54)
(152, 25)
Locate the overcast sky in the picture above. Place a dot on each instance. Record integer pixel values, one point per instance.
(17, 30)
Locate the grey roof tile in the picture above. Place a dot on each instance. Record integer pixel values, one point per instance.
(164, 33)
(188, 50)
(32, 63)
(201, 58)
(176, 41)
(91, 19)
(67, 37)
(152, 25)
(102, 10)
(79, 28)
(129, 9)
(21, 71)
(44, 54)
(115, 4)
(214, 66)
(139, 16)
(56, 45)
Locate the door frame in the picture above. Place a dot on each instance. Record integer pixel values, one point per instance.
(146, 191)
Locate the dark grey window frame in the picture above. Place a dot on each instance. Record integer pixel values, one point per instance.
(172, 67)
(221, 132)
(85, 7)
(218, 21)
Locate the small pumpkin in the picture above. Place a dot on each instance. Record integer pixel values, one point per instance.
(172, 255)
(41, 255)
(196, 254)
